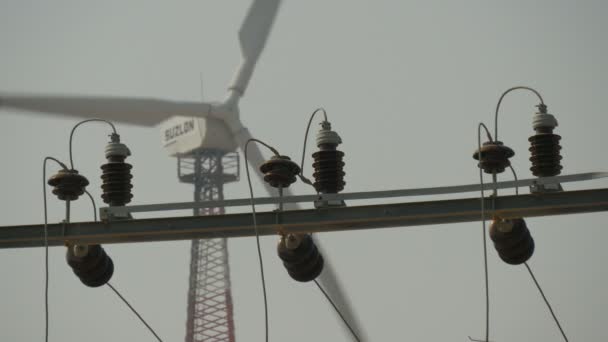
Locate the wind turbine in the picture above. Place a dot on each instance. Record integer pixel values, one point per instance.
(205, 133)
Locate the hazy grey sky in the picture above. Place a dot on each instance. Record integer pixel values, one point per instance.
(405, 84)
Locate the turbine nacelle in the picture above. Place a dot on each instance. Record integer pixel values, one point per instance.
(215, 129)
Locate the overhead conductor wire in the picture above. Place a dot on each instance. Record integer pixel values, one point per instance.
(46, 246)
(255, 227)
(542, 293)
(483, 224)
(80, 123)
(307, 181)
(352, 331)
(95, 219)
(134, 311)
(542, 103)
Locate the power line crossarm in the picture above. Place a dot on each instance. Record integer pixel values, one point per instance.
(300, 221)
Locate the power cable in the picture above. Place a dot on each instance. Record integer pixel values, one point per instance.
(352, 331)
(95, 219)
(113, 288)
(307, 181)
(255, 227)
(542, 293)
(134, 311)
(94, 205)
(46, 246)
(483, 231)
(80, 123)
(559, 326)
(542, 103)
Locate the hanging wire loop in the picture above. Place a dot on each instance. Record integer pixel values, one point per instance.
(306, 136)
(255, 226)
(80, 123)
(542, 102)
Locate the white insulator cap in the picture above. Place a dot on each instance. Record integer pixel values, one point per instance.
(117, 149)
(326, 136)
(543, 120)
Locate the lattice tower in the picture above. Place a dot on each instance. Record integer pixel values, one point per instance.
(210, 309)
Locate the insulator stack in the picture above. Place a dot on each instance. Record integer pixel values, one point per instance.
(512, 240)
(300, 257)
(116, 174)
(493, 157)
(328, 164)
(68, 184)
(545, 148)
(280, 171)
(91, 264)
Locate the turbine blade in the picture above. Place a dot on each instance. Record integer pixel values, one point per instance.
(253, 35)
(136, 111)
(328, 278)
(331, 284)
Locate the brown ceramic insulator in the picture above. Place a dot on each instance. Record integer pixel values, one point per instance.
(303, 263)
(515, 245)
(280, 171)
(329, 174)
(68, 184)
(116, 177)
(94, 269)
(493, 157)
(545, 154)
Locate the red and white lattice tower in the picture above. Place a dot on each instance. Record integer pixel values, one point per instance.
(210, 310)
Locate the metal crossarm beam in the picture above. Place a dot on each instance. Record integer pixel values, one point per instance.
(124, 211)
(314, 220)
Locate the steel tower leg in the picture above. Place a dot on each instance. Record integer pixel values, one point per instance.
(210, 310)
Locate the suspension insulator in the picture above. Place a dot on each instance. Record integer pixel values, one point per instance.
(280, 171)
(116, 174)
(328, 164)
(300, 257)
(493, 157)
(512, 240)
(91, 264)
(545, 148)
(68, 184)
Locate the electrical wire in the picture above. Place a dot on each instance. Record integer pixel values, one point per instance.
(113, 288)
(500, 100)
(94, 205)
(352, 331)
(46, 246)
(307, 181)
(306, 137)
(135, 312)
(542, 293)
(483, 231)
(255, 226)
(80, 123)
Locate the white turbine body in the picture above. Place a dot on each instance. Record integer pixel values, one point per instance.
(182, 135)
(188, 126)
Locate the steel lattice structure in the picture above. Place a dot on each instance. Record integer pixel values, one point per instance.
(210, 310)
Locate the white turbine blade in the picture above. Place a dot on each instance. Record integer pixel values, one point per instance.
(252, 37)
(331, 284)
(327, 279)
(137, 111)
